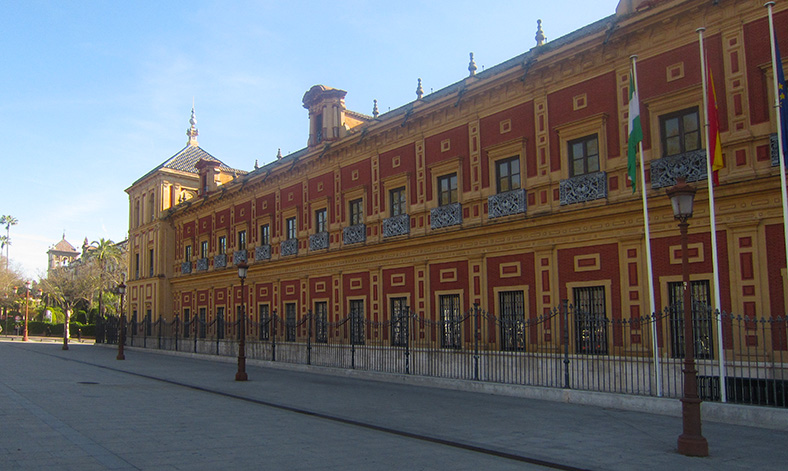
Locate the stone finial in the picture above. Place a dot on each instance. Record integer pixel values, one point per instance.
(192, 131)
(375, 108)
(540, 37)
(256, 166)
(419, 91)
(472, 66)
(279, 154)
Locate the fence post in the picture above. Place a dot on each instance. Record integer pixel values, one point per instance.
(196, 320)
(273, 342)
(407, 338)
(352, 341)
(309, 338)
(565, 307)
(476, 333)
(177, 327)
(160, 324)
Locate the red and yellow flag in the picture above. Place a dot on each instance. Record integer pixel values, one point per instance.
(714, 149)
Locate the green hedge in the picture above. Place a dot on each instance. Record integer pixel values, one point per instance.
(39, 328)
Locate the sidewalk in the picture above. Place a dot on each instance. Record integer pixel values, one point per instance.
(82, 409)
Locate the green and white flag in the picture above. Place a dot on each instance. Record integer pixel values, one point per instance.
(635, 132)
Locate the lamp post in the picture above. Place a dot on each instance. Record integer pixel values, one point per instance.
(241, 374)
(122, 326)
(691, 442)
(27, 308)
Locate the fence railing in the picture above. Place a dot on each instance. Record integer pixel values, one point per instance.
(564, 348)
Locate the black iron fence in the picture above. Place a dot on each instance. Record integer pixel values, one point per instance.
(564, 348)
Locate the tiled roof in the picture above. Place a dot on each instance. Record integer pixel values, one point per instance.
(64, 246)
(185, 161)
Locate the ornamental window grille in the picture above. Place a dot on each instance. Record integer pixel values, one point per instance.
(507, 174)
(262, 252)
(239, 256)
(581, 188)
(451, 321)
(220, 261)
(505, 204)
(689, 165)
(590, 320)
(354, 234)
(289, 247)
(318, 241)
(399, 322)
(186, 268)
(202, 264)
(447, 189)
(202, 325)
(680, 132)
(702, 321)
(265, 321)
(583, 155)
(290, 322)
(320, 220)
(357, 329)
(220, 322)
(445, 216)
(397, 202)
(396, 225)
(321, 322)
(265, 234)
(511, 305)
(356, 211)
(241, 240)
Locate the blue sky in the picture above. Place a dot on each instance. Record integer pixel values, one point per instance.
(94, 94)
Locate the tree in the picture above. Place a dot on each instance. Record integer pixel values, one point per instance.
(8, 221)
(68, 286)
(107, 255)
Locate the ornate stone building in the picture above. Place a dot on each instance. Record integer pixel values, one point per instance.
(507, 189)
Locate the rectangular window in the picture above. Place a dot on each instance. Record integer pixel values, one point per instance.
(447, 189)
(507, 174)
(187, 322)
(222, 245)
(220, 322)
(584, 155)
(321, 322)
(148, 323)
(137, 266)
(397, 202)
(188, 253)
(290, 322)
(451, 321)
(265, 234)
(356, 212)
(399, 322)
(290, 228)
(357, 329)
(265, 321)
(680, 132)
(590, 320)
(700, 293)
(320, 220)
(512, 318)
(241, 240)
(202, 323)
(204, 249)
(150, 263)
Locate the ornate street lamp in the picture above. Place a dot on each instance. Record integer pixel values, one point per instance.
(691, 442)
(27, 308)
(122, 326)
(241, 374)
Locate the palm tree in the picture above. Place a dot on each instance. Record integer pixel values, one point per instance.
(107, 254)
(8, 221)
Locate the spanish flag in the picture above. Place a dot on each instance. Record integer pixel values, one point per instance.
(714, 149)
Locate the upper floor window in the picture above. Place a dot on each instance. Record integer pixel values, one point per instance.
(356, 212)
(584, 155)
(204, 249)
(290, 228)
(507, 174)
(320, 220)
(151, 261)
(241, 240)
(265, 234)
(188, 253)
(222, 245)
(397, 201)
(680, 132)
(447, 189)
(319, 128)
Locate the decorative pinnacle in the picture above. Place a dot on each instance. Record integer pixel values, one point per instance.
(279, 154)
(192, 131)
(256, 166)
(375, 109)
(472, 66)
(540, 37)
(419, 91)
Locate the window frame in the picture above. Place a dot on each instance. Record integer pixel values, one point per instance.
(585, 158)
(452, 193)
(221, 245)
(321, 220)
(242, 240)
(356, 211)
(291, 228)
(398, 201)
(498, 179)
(265, 234)
(682, 134)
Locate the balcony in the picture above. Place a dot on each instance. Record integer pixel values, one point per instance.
(202, 264)
(318, 241)
(445, 216)
(396, 225)
(289, 247)
(506, 204)
(354, 234)
(690, 165)
(262, 252)
(588, 187)
(239, 256)
(220, 261)
(186, 268)
(773, 149)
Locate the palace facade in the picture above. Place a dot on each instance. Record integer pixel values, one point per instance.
(507, 189)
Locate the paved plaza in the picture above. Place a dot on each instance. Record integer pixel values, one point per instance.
(82, 409)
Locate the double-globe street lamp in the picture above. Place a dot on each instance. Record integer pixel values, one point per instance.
(691, 442)
(241, 374)
(122, 323)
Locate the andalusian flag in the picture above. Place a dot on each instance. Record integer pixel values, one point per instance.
(714, 148)
(635, 132)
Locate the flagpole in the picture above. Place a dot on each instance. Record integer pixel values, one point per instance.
(714, 262)
(649, 265)
(780, 136)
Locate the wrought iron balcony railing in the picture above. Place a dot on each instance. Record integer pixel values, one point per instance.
(318, 241)
(220, 261)
(396, 225)
(690, 165)
(239, 256)
(289, 247)
(588, 187)
(202, 264)
(262, 252)
(445, 216)
(186, 268)
(506, 204)
(354, 234)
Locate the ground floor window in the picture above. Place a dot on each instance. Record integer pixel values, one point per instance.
(701, 318)
(290, 322)
(511, 305)
(186, 322)
(202, 323)
(590, 320)
(451, 321)
(399, 322)
(321, 322)
(265, 321)
(357, 322)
